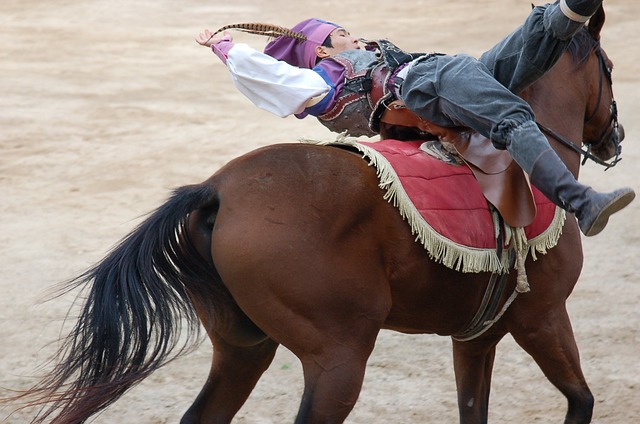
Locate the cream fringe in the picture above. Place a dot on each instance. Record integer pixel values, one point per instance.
(453, 255)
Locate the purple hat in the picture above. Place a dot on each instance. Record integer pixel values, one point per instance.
(301, 53)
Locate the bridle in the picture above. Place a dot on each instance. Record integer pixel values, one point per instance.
(611, 132)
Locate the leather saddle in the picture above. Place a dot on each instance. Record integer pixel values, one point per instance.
(504, 184)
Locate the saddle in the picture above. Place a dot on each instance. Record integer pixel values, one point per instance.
(504, 184)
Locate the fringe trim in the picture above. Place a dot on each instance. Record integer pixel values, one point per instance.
(453, 255)
(549, 237)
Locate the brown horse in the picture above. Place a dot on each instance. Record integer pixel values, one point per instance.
(294, 245)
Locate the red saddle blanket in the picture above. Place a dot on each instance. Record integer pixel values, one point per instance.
(445, 206)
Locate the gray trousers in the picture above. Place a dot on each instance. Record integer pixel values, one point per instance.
(460, 90)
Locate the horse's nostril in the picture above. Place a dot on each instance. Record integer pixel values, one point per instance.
(620, 132)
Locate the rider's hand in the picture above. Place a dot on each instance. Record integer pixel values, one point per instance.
(206, 38)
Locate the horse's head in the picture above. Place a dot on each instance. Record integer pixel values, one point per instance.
(602, 132)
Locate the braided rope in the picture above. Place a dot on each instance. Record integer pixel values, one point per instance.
(267, 30)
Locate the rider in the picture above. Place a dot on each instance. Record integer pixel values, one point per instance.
(323, 76)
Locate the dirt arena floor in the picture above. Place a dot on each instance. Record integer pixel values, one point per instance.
(108, 105)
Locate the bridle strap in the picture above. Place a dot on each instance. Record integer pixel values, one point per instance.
(600, 82)
(608, 131)
(586, 153)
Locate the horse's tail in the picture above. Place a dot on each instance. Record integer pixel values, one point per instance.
(130, 324)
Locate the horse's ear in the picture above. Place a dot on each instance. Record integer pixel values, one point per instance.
(596, 22)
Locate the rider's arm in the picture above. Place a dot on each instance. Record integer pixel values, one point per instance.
(270, 84)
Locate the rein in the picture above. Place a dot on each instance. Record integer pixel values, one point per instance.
(586, 152)
(612, 133)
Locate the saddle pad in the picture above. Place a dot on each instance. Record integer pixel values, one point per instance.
(445, 206)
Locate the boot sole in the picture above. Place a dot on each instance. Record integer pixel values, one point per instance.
(602, 219)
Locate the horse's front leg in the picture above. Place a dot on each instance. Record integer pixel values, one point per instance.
(473, 366)
(553, 347)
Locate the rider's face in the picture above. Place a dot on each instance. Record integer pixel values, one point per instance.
(341, 41)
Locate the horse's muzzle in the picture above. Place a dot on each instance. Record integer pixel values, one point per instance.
(620, 132)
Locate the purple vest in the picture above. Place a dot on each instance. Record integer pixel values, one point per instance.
(360, 104)
(364, 87)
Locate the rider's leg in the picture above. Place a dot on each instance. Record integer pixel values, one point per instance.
(533, 48)
(547, 172)
(579, 10)
(460, 91)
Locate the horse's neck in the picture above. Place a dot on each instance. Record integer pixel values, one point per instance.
(559, 100)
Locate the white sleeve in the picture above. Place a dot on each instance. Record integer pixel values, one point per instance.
(273, 85)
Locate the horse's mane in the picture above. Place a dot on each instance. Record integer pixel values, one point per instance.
(581, 46)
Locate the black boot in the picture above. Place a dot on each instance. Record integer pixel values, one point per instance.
(549, 174)
(579, 10)
(566, 18)
(554, 180)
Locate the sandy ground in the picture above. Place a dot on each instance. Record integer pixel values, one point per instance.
(107, 105)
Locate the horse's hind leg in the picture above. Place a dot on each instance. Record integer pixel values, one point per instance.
(331, 387)
(333, 380)
(335, 349)
(553, 347)
(235, 370)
